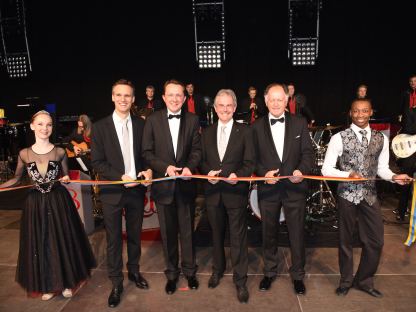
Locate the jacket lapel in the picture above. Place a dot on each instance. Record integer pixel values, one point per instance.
(135, 142)
(213, 142)
(235, 131)
(163, 117)
(288, 135)
(114, 138)
(181, 136)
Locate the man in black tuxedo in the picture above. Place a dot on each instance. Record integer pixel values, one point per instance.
(116, 155)
(227, 151)
(194, 103)
(283, 147)
(252, 107)
(172, 146)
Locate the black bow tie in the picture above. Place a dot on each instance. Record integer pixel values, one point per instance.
(170, 116)
(274, 120)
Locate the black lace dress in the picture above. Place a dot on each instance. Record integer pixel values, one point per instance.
(54, 251)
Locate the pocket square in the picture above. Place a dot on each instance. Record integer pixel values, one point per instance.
(298, 137)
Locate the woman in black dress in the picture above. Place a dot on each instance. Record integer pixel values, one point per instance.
(54, 254)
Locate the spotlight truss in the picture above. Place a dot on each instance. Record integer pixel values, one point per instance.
(15, 48)
(209, 26)
(304, 31)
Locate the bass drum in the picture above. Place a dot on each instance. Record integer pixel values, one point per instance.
(254, 204)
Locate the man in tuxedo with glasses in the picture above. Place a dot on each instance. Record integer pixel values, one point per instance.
(171, 147)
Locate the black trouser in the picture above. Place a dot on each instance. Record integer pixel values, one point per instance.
(237, 218)
(371, 230)
(133, 204)
(295, 220)
(408, 166)
(177, 218)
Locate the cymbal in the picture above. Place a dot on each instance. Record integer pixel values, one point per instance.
(14, 124)
(323, 128)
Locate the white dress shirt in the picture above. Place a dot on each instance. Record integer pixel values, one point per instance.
(228, 127)
(335, 149)
(278, 134)
(118, 123)
(174, 124)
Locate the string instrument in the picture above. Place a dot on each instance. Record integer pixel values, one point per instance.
(83, 146)
(404, 145)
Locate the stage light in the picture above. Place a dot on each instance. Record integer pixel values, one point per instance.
(209, 25)
(15, 48)
(17, 66)
(303, 32)
(209, 55)
(304, 52)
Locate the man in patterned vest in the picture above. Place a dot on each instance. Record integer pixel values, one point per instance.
(360, 152)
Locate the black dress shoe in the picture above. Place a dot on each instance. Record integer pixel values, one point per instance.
(266, 282)
(171, 286)
(139, 280)
(242, 294)
(214, 280)
(192, 282)
(371, 291)
(299, 287)
(114, 298)
(342, 291)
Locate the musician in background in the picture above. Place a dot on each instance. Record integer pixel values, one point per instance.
(78, 143)
(252, 107)
(297, 105)
(148, 105)
(362, 92)
(360, 153)
(408, 123)
(195, 104)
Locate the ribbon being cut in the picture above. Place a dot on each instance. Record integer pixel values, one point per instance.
(412, 224)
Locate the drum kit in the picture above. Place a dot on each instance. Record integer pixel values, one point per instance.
(320, 202)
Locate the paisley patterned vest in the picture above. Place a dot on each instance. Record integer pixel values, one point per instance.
(362, 160)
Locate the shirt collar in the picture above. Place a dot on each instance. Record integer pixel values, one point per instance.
(272, 117)
(357, 129)
(171, 113)
(229, 123)
(117, 118)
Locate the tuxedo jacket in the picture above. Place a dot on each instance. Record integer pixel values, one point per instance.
(298, 154)
(200, 107)
(239, 158)
(158, 152)
(107, 158)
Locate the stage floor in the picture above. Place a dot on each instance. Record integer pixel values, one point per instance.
(396, 279)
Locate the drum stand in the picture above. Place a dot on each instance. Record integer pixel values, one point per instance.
(320, 205)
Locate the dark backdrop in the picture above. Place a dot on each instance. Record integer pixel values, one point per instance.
(79, 49)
